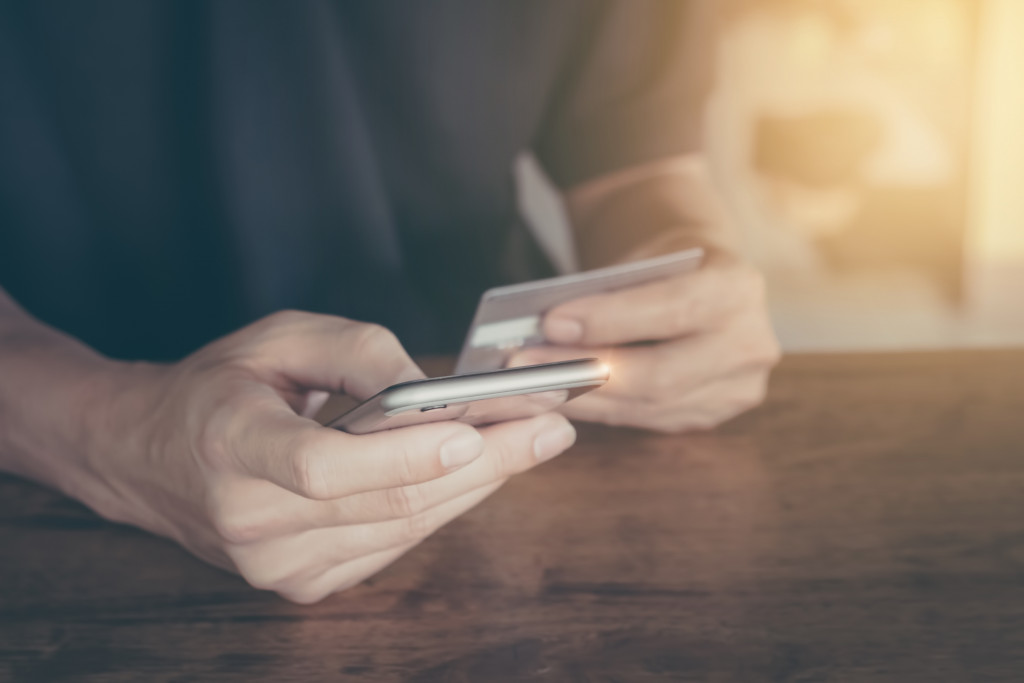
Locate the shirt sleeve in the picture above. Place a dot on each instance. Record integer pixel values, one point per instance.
(633, 91)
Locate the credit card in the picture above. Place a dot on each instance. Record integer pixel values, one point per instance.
(509, 318)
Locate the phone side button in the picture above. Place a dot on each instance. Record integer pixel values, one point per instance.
(426, 408)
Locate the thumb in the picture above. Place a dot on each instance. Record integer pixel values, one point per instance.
(333, 354)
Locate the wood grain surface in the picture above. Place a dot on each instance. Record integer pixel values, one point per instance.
(866, 524)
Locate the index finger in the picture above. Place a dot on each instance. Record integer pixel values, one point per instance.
(657, 311)
(322, 463)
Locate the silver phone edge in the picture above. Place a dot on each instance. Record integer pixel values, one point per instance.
(575, 374)
(512, 381)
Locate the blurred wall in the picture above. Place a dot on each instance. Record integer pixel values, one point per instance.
(871, 154)
(995, 263)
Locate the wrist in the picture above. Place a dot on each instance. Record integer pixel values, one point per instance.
(55, 391)
(107, 404)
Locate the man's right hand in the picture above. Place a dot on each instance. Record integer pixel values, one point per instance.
(219, 453)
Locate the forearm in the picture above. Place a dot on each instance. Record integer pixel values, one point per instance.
(51, 390)
(647, 210)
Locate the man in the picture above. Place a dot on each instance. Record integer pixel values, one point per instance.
(175, 170)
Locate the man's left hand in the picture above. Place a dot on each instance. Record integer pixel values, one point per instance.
(686, 353)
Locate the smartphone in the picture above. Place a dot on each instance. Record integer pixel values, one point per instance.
(477, 399)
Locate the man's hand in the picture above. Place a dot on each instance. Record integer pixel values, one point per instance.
(217, 452)
(686, 353)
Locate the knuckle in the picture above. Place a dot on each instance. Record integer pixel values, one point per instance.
(751, 343)
(235, 526)
(762, 352)
(509, 459)
(307, 471)
(405, 501)
(305, 593)
(212, 444)
(771, 352)
(405, 467)
(304, 588)
(704, 423)
(301, 473)
(268, 328)
(369, 340)
(752, 396)
(284, 318)
(270, 333)
(500, 454)
(260, 575)
(215, 434)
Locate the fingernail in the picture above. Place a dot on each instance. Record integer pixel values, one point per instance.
(461, 449)
(563, 330)
(551, 442)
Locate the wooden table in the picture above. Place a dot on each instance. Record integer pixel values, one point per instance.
(866, 524)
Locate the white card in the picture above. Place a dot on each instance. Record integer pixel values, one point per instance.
(509, 318)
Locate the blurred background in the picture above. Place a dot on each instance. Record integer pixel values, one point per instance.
(871, 153)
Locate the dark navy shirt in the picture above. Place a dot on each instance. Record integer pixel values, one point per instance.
(172, 170)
